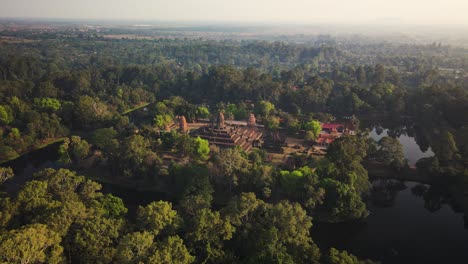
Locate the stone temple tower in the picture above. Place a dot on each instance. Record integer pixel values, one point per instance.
(183, 125)
(220, 121)
(252, 122)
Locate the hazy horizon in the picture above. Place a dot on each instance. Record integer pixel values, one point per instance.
(417, 12)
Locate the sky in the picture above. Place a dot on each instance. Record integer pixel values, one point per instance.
(432, 12)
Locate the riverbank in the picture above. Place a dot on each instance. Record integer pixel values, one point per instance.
(381, 170)
(102, 174)
(34, 148)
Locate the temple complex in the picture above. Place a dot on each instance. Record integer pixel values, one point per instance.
(221, 134)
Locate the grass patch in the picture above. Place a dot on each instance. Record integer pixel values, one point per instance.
(135, 108)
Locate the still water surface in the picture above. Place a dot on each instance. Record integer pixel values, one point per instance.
(411, 150)
(403, 232)
(405, 228)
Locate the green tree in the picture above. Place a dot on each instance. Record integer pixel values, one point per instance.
(229, 110)
(314, 127)
(62, 215)
(79, 148)
(301, 185)
(291, 122)
(171, 251)
(46, 89)
(230, 165)
(342, 257)
(106, 139)
(184, 145)
(31, 244)
(7, 152)
(197, 191)
(34, 199)
(66, 185)
(267, 233)
(163, 121)
(241, 208)
(134, 247)
(264, 109)
(96, 239)
(272, 123)
(201, 148)
(6, 116)
(379, 74)
(157, 217)
(135, 157)
(14, 135)
(89, 112)
(111, 206)
(310, 136)
(141, 247)
(341, 202)
(346, 154)
(5, 174)
(445, 147)
(391, 152)
(47, 104)
(74, 149)
(206, 232)
(202, 112)
(291, 182)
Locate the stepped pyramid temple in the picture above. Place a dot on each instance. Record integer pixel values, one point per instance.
(224, 135)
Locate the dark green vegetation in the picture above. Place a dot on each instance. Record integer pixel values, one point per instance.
(226, 206)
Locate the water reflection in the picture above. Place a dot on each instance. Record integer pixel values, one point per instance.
(411, 149)
(409, 223)
(434, 197)
(384, 192)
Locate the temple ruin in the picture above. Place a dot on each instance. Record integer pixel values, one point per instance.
(225, 135)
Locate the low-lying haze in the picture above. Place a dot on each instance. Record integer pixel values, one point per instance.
(430, 12)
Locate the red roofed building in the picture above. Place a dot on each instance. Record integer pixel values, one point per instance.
(332, 127)
(330, 132)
